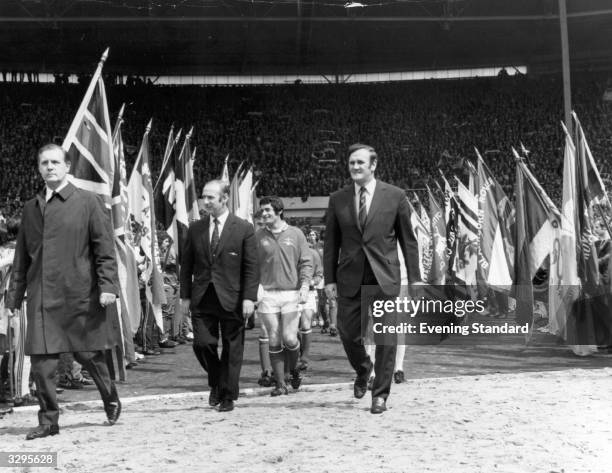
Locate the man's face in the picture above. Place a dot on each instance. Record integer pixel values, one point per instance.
(362, 171)
(268, 215)
(52, 167)
(312, 238)
(214, 200)
(259, 223)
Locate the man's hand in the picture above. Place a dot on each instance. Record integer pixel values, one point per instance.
(106, 298)
(331, 290)
(303, 297)
(248, 307)
(185, 303)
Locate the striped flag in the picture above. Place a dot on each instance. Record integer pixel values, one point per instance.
(88, 141)
(496, 223)
(144, 234)
(467, 249)
(126, 261)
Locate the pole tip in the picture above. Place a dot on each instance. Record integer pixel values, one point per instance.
(149, 125)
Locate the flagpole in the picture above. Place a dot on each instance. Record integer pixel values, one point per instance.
(90, 89)
(119, 121)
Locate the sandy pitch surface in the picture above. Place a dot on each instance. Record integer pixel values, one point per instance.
(558, 421)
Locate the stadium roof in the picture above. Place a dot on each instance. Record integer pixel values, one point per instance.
(288, 36)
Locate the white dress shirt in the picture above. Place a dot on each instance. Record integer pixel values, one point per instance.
(369, 188)
(49, 192)
(222, 219)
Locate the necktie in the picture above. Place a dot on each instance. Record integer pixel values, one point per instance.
(214, 241)
(363, 212)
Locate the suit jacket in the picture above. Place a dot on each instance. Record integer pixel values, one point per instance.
(347, 246)
(234, 271)
(65, 257)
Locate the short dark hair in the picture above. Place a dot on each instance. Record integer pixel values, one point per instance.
(358, 146)
(275, 202)
(49, 147)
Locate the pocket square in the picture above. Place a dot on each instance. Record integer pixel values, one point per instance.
(232, 253)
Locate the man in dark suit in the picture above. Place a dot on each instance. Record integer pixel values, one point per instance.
(65, 259)
(219, 280)
(365, 221)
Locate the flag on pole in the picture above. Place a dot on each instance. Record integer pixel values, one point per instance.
(590, 193)
(225, 170)
(165, 193)
(467, 247)
(438, 242)
(181, 215)
(88, 141)
(170, 142)
(451, 216)
(564, 288)
(143, 224)
(193, 212)
(537, 221)
(423, 237)
(496, 222)
(472, 176)
(234, 199)
(126, 261)
(245, 197)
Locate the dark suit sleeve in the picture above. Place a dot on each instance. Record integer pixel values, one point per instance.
(407, 239)
(331, 244)
(250, 265)
(21, 263)
(103, 245)
(186, 267)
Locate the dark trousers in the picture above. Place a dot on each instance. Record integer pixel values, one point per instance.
(44, 371)
(350, 318)
(207, 319)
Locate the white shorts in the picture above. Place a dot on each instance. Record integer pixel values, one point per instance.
(311, 302)
(279, 302)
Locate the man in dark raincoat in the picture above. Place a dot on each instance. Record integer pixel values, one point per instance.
(65, 259)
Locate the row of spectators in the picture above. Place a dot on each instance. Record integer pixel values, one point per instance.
(296, 135)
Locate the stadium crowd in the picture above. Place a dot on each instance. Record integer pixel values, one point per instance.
(295, 135)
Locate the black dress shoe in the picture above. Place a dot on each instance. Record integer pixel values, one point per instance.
(168, 344)
(112, 406)
(213, 397)
(378, 405)
(226, 405)
(361, 383)
(42, 431)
